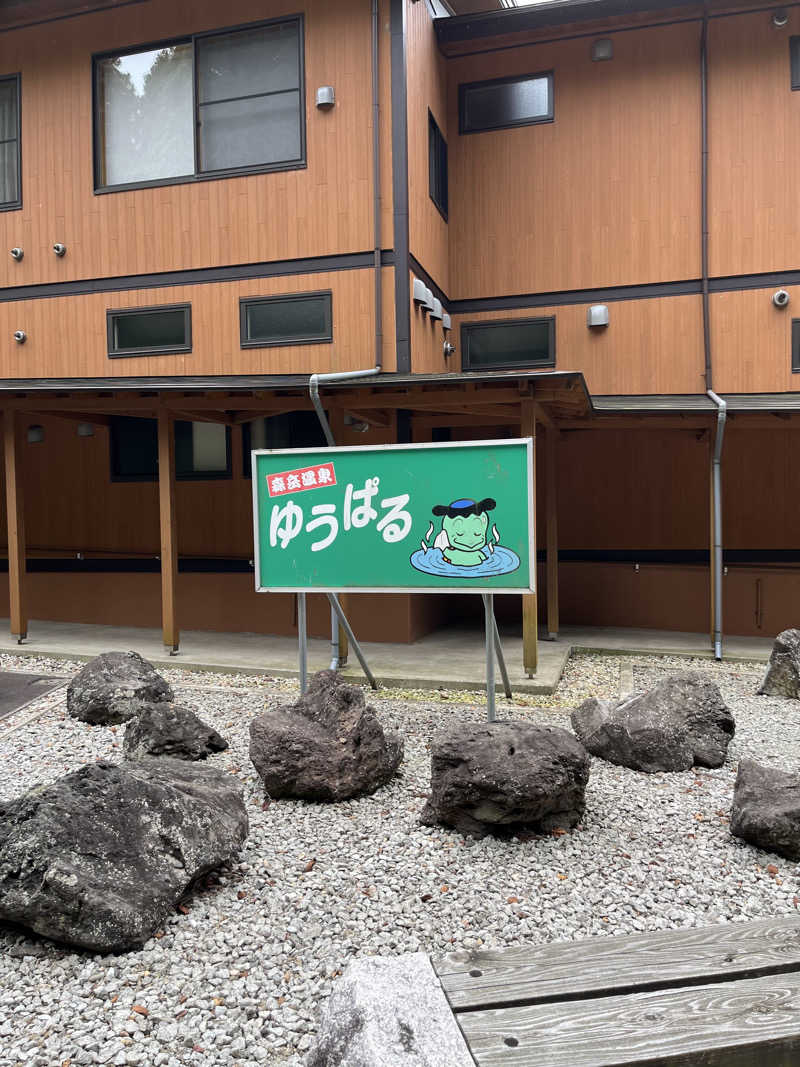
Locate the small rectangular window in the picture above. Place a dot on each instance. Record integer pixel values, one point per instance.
(521, 343)
(149, 331)
(437, 166)
(286, 320)
(494, 105)
(290, 429)
(794, 61)
(795, 346)
(202, 449)
(200, 106)
(10, 192)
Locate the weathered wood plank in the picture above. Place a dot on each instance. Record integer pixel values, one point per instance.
(601, 966)
(752, 1023)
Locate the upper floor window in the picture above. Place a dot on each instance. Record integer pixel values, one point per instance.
(291, 319)
(796, 346)
(437, 166)
(517, 101)
(151, 331)
(208, 105)
(794, 61)
(10, 193)
(519, 343)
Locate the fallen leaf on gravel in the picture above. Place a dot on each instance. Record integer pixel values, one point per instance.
(182, 909)
(140, 1009)
(444, 889)
(771, 868)
(180, 1014)
(512, 900)
(241, 894)
(558, 832)
(310, 865)
(429, 896)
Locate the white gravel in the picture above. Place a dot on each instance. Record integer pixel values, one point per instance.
(238, 978)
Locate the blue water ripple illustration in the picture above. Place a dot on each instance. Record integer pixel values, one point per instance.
(501, 561)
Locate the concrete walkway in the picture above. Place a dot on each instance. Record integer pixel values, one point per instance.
(452, 658)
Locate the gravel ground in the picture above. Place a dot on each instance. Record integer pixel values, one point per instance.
(237, 974)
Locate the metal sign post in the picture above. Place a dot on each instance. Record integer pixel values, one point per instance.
(302, 640)
(488, 608)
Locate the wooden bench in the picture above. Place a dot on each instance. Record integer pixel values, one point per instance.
(720, 996)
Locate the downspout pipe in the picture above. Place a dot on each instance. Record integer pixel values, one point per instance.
(716, 469)
(316, 380)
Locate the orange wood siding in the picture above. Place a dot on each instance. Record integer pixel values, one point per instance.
(427, 90)
(323, 209)
(649, 346)
(607, 194)
(754, 147)
(67, 335)
(752, 342)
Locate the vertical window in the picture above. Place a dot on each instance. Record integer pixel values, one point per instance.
(494, 105)
(437, 166)
(10, 191)
(521, 343)
(202, 449)
(794, 61)
(290, 429)
(212, 103)
(796, 346)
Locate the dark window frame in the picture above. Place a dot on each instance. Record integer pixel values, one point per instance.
(794, 61)
(282, 298)
(185, 476)
(795, 346)
(155, 350)
(464, 88)
(206, 175)
(466, 327)
(438, 181)
(15, 205)
(247, 447)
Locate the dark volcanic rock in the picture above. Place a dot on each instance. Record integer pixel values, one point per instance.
(169, 730)
(112, 687)
(328, 746)
(681, 722)
(766, 808)
(506, 776)
(99, 858)
(782, 678)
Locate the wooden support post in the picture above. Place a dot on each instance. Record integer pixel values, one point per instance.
(712, 584)
(169, 536)
(16, 530)
(551, 456)
(530, 640)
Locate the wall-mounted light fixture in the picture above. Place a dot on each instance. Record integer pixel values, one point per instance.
(20, 337)
(448, 349)
(326, 97)
(436, 312)
(602, 50)
(597, 315)
(17, 254)
(85, 429)
(59, 249)
(35, 435)
(780, 18)
(446, 323)
(428, 305)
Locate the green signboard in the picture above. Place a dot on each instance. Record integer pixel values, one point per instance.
(395, 518)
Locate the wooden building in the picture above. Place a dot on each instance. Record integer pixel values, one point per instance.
(576, 220)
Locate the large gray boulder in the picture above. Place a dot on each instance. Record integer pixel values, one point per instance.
(166, 729)
(389, 1012)
(766, 808)
(681, 722)
(99, 858)
(112, 687)
(505, 777)
(328, 746)
(782, 678)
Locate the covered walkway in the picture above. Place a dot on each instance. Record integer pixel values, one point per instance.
(451, 658)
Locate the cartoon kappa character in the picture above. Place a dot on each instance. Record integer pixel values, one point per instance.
(463, 536)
